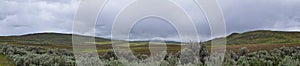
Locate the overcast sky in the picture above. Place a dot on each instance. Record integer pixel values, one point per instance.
(19, 17)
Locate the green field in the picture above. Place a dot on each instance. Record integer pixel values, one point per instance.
(5, 61)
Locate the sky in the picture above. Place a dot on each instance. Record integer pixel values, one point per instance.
(18, 17)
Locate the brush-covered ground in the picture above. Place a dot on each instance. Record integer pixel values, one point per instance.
(254, 41)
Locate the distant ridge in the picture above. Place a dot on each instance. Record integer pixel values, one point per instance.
(251, 37)
(45, 38)
(52, 38)
(263, 37)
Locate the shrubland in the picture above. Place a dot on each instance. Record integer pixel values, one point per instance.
(39, 56)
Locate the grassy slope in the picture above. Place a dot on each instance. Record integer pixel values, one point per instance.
(263, 37)
(44, 38)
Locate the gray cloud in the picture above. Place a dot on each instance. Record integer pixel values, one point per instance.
(114, 7)
(245, 15)
(24, 16)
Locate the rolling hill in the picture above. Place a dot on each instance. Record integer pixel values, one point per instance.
(45, 38)
(263, 37)
(56, 39)
(251, 37)
(64, 41)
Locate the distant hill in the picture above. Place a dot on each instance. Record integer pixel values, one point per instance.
(263, 37)
(55, 39)
(44, 38)
(251, 37)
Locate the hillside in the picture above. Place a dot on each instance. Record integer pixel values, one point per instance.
(44, 38)
(263, 37)
(251, 37)
(56, 39)
(64, 41)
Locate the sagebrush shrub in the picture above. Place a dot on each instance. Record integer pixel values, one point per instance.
(38, 56)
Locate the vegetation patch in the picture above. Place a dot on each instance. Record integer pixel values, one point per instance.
(5, 61)
(35, 56)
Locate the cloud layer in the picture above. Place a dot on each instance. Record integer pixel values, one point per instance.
(245, 15)
(24, 16)
(30, 16)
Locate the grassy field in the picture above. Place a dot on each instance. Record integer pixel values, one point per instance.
(142, 48)
(4, 61)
